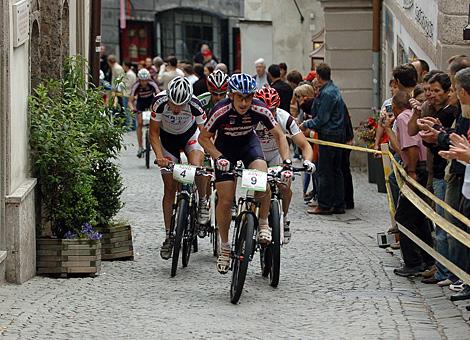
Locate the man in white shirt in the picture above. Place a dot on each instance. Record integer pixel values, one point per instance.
(116, 70)
(261, 76)
(169, 71)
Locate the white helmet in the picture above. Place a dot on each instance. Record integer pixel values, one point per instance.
(143, 74)
(180, 90)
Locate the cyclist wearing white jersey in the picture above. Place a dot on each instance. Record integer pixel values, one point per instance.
(270, 97)
(176, 118)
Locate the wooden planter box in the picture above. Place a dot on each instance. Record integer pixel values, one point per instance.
(66, 257)
(116, 243)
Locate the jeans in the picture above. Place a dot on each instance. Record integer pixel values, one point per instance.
(330, 176)
(415, 221)
(311, 178)
(347, 177)
(442, 245)
(458, 253)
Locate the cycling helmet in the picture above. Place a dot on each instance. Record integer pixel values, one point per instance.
(269, 96)
(180, 90)
(242, 83)
(143, 74)
(217, 81)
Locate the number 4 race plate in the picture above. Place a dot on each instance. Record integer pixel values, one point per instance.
(254, 180)
(184, 173)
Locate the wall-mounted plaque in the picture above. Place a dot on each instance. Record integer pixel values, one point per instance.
(20, 16)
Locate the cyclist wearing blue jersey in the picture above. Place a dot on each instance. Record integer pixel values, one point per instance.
(233, 120)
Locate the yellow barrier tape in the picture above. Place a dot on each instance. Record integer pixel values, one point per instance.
(343, 146)
(461, 274)
(400, 171)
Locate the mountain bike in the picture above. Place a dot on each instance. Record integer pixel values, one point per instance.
(148, 148)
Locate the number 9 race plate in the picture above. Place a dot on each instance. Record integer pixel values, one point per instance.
(184, 173)
(254, 180)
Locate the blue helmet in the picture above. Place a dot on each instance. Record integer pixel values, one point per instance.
(242, 83)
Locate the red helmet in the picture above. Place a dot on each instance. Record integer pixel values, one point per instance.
(217, 81)
(269, 96)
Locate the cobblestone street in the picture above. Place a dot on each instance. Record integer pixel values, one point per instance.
(335, 283)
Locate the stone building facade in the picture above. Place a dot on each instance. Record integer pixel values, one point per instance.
(50, 31)
(278, 31)
(157, 27)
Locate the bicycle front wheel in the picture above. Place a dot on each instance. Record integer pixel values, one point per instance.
(244, 248)
(182, 214)
(275, 246)
(147, 149)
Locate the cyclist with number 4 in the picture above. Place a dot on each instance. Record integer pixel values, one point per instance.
(233, 120)
(177, 117)
(270, 97)
(142, 94)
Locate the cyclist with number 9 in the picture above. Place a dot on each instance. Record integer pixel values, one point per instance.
(233, 120)
(177, 117)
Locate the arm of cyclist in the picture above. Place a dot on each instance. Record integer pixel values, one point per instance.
(154, 129)
(281, 141)
(205, 139)
(132, 100)
(301, 141)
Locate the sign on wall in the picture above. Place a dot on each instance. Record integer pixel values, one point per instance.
(424, 14)
(20, 18)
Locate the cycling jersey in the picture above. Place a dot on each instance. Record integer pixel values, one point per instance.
(231, 125)
(206, 101)
(287, 124)
(144, 95)
(176, 124)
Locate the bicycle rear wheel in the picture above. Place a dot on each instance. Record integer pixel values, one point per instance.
(215, 241)
(147, 149)
(182, 214)
(274, 249)
(244, 248)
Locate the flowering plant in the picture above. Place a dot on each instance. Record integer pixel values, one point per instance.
(87, 232)
(366, 130)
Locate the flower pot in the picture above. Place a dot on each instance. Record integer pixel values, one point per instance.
(116, 242)
(371, 167)
(376, 172)
(63, 257)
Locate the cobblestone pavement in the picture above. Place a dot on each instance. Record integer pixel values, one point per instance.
(335, 283)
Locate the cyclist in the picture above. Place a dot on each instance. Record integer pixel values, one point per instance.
(177, 116)
(142, 94)
(270, 97)
(217, 83)
(233, 120)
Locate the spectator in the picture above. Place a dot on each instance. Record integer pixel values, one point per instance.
(293, 79)
(329, 111)
(345, 164)
(189, 74)
(261, 76)
(116, 70)
(169, 72)
(413, 155)
(104, 64)
(158, 63)
(283, 67)
(151, 68)
(208, 69)
(406, 77)
(202, 57)
(222, 67)
(200, 86)
(422, 68)
(129, 80)
(283, 89)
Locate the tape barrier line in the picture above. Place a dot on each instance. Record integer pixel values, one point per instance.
(400, 171)
(343, 146)
(461, 274)
(451, 229)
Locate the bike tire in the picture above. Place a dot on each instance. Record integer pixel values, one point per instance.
(215, 242)
(265, 260)
(147, 149)
(275, 246)
(244, 248)
(182, 212)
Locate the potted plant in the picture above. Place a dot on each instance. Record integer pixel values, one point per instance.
(67, 156)
(366, 132)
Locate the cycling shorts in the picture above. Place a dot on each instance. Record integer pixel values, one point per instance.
(172, 145)
(246, 149)
(273, 158)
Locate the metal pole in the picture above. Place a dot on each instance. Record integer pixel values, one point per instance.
(95, 41)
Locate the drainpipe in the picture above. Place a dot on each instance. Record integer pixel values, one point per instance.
(376, 11)
(95, 41)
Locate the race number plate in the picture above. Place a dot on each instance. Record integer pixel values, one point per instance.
(184, 173)
(254, 180)
(146, 116)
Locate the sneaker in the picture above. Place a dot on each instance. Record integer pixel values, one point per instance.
(166, 249)
(203, 212)
(313, 204)
(308, 197)
(223, 261)
(287, 233)
(457, 286)
(406, 271)
(140, 153)
(444, 283)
